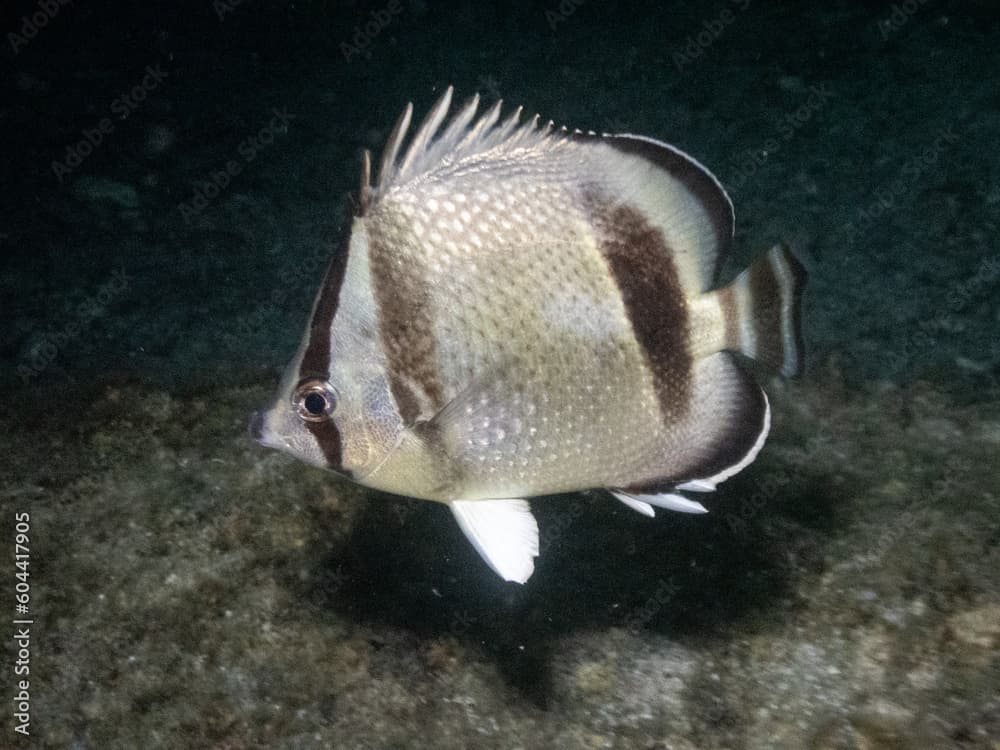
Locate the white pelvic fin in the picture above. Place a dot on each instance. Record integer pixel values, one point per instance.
(666, 500)
(645, 508)
(697, 485)
(503, 532)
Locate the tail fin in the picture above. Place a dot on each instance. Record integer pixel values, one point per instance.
(762, 311)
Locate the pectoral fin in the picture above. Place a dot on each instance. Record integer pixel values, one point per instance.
(503, 532)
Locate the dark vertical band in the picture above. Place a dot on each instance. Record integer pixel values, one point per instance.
(406, 327)
(642, 266)
(695, 178)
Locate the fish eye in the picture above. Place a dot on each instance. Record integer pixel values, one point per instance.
(314, 400)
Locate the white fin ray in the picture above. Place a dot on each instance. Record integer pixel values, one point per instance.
(500, 134)
(445, 143)
(425, 132)
(637, 505)
(504, 533)
(697, 485)
(437, 144)
(668, 500)
(482, 126)
(527, 129)
(386, 172)
(366, 175)
(523, 130)
(433, 146)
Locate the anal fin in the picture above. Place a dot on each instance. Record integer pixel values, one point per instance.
(668, 500)
(637, 505)
(697, 485)
(504, 533)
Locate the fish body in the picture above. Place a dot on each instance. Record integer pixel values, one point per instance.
(519, 310)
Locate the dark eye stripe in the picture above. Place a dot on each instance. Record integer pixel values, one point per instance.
(328, 437)
(316, 358)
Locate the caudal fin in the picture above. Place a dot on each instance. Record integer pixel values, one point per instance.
(762, 311)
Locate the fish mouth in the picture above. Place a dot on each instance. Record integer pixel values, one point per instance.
(260, 433)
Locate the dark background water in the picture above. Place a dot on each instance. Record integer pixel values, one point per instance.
(862, 133)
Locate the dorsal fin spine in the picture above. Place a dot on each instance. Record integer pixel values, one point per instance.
(386, 172)
(484, 123)
(426, 131)
(365, 193)
(433, 145)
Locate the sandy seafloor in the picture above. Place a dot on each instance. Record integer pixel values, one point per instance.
(190, 589)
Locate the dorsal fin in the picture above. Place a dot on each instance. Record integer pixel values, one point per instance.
(711, 245)
(483, 124)
(464, 136)
(679, 196)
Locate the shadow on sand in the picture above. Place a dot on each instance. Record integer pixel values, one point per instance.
(407, 564)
